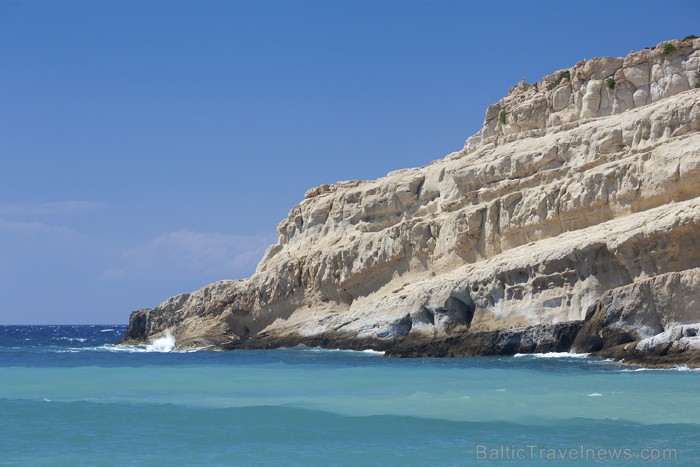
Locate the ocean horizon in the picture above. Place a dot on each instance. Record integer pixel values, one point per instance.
(71, 396)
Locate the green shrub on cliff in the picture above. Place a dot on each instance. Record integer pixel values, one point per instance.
(668, 48)
(502, 117)
(564, 74)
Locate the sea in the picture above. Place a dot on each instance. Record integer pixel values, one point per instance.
(69, 395)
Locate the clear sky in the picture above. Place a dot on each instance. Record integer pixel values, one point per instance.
(149, 148)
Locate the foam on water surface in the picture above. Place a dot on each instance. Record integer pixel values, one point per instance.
(552, 355)
(164, 343)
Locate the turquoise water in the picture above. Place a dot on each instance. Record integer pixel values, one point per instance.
(70, 397)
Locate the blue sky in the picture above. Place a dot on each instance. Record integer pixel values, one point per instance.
(148, 148)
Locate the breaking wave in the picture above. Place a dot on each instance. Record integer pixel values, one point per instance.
(682, 368)
(321, 349)
(164, 343)
(552, 355)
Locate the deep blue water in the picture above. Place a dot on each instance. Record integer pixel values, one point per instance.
(69, 396)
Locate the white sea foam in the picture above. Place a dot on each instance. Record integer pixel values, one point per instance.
(164, 343)
(106, 330)
(73, 339)
(685, 368)
(366, 351)
(374, 352)
(115, 348)
(675, 368)
(321, 349)
(594, 394)
(552, 355)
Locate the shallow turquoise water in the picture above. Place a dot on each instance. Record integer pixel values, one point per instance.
(67, 397)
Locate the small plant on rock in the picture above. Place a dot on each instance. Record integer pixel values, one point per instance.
(564, 74)
(610, 82)
(668, 48)
(502, 117)
(689, 38)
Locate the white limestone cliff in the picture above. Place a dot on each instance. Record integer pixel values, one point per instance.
(580, 184)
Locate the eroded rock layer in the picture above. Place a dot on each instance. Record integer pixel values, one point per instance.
(576, 188)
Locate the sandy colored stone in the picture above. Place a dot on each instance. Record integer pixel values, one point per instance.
(526, 226)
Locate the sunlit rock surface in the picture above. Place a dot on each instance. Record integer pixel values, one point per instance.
(576, 188)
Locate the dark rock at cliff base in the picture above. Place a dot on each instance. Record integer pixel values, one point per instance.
(532, 339)
(652, 322)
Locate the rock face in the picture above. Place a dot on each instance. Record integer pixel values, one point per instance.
(651, 321)
(577, 192)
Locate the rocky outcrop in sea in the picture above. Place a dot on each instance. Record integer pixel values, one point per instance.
(569, 222)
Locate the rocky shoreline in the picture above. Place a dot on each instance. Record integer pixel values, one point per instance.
(622, 325)
(569, 222)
